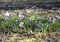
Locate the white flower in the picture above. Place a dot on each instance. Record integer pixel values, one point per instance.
(49, 19)
(53, 20)
(21, 16)
(58, 17)
(7, 14)
(21, 24)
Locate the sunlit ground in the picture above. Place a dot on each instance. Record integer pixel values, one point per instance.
(33, 37)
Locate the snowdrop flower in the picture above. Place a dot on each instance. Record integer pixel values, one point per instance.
(21, 24)
(21, 16)
(7, 14)
(53, 20)
(58, 17)
(49, 19)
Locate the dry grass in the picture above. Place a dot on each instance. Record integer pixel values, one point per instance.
(34, 37)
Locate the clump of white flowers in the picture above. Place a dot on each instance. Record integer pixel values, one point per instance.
(51, 19)
(21, 24)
